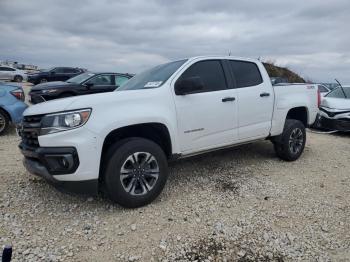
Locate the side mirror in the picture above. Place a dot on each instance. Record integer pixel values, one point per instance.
(88, 85)
(188, 86)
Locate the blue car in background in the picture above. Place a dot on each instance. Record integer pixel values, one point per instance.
(11, 105)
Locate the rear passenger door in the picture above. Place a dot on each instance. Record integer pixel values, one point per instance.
(58, 74)
(206, 119)
(255, 100)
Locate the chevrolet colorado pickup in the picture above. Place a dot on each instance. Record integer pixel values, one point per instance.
(121, 141)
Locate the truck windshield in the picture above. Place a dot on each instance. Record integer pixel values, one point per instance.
(153, 77)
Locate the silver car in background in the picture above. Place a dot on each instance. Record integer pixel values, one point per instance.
(12, 74)
(335, 110)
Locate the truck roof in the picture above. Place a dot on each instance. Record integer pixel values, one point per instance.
(224, 57)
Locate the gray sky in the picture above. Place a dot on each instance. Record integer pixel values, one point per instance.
(311, 37)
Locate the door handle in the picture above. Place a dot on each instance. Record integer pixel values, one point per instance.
(228, 99)
(264, 94)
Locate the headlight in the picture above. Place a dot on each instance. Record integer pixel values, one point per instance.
(58, 122)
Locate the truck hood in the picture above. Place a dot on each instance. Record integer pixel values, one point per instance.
(53, 106)
(336, 103)
(88, 101)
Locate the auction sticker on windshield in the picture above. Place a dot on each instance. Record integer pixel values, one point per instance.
(153, 84)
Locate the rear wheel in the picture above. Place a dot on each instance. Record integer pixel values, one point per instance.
(292, 142)
(136, 172)
(44, 80)
(4, 122)
(18, 78)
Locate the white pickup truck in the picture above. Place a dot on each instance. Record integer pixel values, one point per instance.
(121, 142)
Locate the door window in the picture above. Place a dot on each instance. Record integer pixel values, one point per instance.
(70, 70)
(58, 70)
(7, 69)
(246, 73)
(101, 80)
(210, 72)
(119, 80)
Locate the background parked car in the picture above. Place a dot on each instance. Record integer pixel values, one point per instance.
(12, 74)
(12, 105)
(54, 74)
(83, 84)
(324, 90)
(335, 110)
(331, 86)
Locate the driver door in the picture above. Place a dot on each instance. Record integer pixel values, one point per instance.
(207, 119)
(101, 83)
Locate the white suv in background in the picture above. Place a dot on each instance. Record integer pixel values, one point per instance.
(12, 74)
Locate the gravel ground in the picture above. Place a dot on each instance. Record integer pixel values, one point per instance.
(241, 204)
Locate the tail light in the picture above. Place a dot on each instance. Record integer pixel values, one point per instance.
(18, 93)
(318, 98)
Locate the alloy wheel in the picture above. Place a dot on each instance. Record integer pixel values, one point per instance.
(139, 173)
(2, 123)
(296, 141)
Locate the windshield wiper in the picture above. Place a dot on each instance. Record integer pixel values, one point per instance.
(342, 89)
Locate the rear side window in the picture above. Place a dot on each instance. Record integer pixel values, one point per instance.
(246, 73)
(210, 72)
(70, 70)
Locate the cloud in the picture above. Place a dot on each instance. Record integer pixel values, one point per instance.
(310, 37)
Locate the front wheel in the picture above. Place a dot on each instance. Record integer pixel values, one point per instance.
(18, 79)
(136, 172)
(4, 122)
(292, 142)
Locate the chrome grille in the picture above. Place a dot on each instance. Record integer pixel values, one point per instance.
(30, 130)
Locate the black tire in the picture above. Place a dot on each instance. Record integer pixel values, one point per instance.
(43, 80)
(4, 122)
(117, 158)
(18, 78)
(291, 144)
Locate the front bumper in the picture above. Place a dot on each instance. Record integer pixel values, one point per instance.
(334, 120)
(334, 124)
(82, 144)
(56, 160)
(36, 98)
(49, 163)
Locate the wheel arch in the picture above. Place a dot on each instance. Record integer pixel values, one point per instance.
(6, 112)
(300, 113)
(156, 132)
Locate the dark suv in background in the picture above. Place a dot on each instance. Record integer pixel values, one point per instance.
(83, 84)
(54, 74)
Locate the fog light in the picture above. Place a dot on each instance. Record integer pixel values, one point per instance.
(64, 162)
